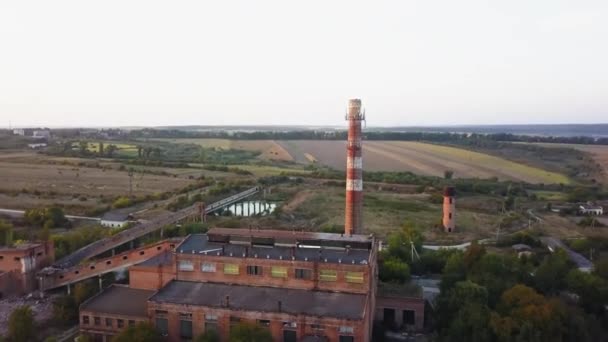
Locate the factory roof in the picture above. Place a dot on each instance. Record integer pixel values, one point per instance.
(289, 236)
(119, 300)
(202, 244)
(162, 259)
(265, 299)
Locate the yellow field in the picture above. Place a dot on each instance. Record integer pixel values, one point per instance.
(421, 158)
(269, 149)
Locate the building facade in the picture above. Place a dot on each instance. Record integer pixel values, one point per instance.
(297, 284)
(19, 264)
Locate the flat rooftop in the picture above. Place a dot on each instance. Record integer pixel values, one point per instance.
(120, 300)
(265, 299)
(162, 259)
(203, 244)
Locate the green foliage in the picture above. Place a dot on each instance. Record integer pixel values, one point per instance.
(46, 217)
(6, 234)
(141, 332)
(21, 324)
(591, 289)
(69, 242)
(249, 332)
(463, 313)
(395, 270)
(601, 268)
(400, 242)
(122, 202)
(551, 274)
(65, 310)
(525, 315)
(208, 336)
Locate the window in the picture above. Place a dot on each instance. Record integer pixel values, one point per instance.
(109, 322)
(1, 257)
(97, 320)
(450, 215)
(120, 323)
(131, 323)
(161, 313)
(316, 327)
(162, 325)
(346, 330)
(451, 200)
(231, 269)
(409, 317)
(85, 319)
(211, 322)
(39, 254)
(207, 267)
(354, 277)
(254, 270)
(290, 336)
(328, 275)
(346, 339)
(185, 265)
(264, 322)
(303, 273)
(17, 258)
(185, 326)
(234, 320)
(279, 272)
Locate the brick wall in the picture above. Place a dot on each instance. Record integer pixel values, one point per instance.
(398, 304)
(305, 325)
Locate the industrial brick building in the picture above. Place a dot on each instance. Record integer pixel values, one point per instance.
(19, 264)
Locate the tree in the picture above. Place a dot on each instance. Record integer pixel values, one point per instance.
(21, 324)
(83, 147)
(473, 254)
(100, 149)
(122, 202)
(400, 242)
(209, 336)
(591, 289)
(524, 315)
(110, 150)
(6, 234)
(601, 268)
(141, 332)
(463, 313)
(448, 174)
(250, 332)
(65, 310)
(551, 274)
(393, 269)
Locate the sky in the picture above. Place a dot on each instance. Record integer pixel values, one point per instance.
(417, 62)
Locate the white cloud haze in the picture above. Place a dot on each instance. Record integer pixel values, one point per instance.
(425, 62)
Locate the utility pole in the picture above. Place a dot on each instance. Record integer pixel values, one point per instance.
(130, 182)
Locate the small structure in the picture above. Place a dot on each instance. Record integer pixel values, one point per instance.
(42, 134)
(116, 219)
(19, 264)
(522, 249)
(19, 131)
(400, 307)
(36, 146)
(591, 209)
(449, 209)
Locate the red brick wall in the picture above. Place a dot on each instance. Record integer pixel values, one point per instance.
(102, 328)
(150, 278)
(399, 304)
(96, 267)
(22, 265)
(330, 326)
(266, 279)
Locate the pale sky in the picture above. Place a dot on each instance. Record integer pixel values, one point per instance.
(425, 62)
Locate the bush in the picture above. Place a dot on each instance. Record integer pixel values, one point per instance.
(122, 202)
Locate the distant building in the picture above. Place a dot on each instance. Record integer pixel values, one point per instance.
(19, 131)
(591, 209)
(19, 264)
(36, 146)
(116, 219)
(42, 134)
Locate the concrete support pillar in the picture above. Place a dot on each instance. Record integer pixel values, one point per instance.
(132, 244)
(69, 290)
(113, 251)
(162, 232)
(100, 283)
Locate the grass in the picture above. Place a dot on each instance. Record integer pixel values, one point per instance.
(550, 195)
(496, 163)
(264, 170)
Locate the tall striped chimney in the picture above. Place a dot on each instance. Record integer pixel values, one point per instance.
(353, 219)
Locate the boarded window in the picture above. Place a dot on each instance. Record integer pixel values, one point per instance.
(254, 270)
(354, 277)
(185, 265)
(162, 325)
(208, 267)
(231, 269)
(346, 330)
(303, 273)
(328, 275)
(279, 272)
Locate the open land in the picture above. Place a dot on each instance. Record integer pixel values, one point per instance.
(599, 153)
(421, 158)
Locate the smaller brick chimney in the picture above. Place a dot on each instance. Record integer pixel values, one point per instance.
(449, 209)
